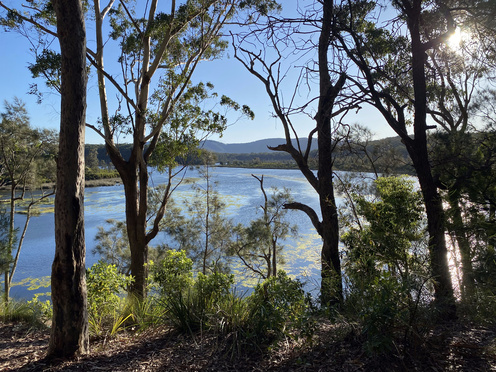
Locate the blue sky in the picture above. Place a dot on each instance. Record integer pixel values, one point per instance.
(228, 76)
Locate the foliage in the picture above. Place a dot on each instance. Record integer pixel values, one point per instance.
(44, 308)
(47, 66)
(386, 262)
(112, 245)
(357, 152)
(5, 255)
(26, 160)
(22, 311)
(27, 154)
(278, 306)
(173, 274)
(211, 289)
(105, 287)
(98, 173)
(482, 309)
(91, 159)
(196, 307)
(188, 124)
(464, 163)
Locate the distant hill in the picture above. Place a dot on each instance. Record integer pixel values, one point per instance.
(257, 147)
(389, 153)
(261, 146)
(394, 142)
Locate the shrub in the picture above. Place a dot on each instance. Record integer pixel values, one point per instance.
(173, 274)
(386, 263)
(197, 307)
(211, 289)
(277, 307)
(385, 311)
(105, 302)
(44, 308)
(22, 311)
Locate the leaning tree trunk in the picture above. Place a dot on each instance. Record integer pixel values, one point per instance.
(69, 334)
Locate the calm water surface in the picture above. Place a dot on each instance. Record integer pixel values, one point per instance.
(241, 193)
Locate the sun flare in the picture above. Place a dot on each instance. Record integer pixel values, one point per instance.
(455, 39)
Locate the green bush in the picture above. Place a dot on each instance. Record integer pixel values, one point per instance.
(173, 274)
(197, 308)
(385, 311)
(106, 305)
(44, 308)
(278, 306)
(211, 289)
(386, 264)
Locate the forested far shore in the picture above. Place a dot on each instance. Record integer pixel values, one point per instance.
(385, 156)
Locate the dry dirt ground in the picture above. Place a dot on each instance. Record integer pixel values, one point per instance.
(447, 348)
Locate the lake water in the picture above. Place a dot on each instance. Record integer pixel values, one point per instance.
(240, 191)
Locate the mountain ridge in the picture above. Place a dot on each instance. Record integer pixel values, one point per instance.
(259, 146)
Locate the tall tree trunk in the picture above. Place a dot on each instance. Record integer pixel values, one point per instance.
(69, 333)
(136, 225)
(134, 175)
(438, 251)
(331, 286)
(420, 158)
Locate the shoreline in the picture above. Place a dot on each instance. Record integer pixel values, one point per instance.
(103, 182)
(87, 184)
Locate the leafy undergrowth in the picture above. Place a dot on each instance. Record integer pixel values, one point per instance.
(333, 348)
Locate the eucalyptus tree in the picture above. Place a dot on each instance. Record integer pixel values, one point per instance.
(391, 64)
(164, 48)
(69, 331)
(158, 107)
(263, 52)
(22, 151)
(458, 74)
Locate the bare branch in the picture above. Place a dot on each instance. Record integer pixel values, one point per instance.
(309, 212)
